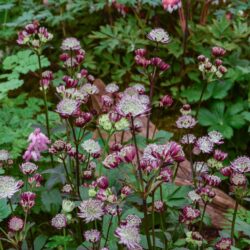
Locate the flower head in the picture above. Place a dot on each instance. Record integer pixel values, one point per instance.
(91, 210)
(112, 161)
(158, 35)
(128, 236)
(8, 186)
(28, 168)
(91, 146)
(70, 43)
(171, 5)
(112, 88)
(238, 179)
(67, 107)
(241, 164)
(68, 206)
(15, 224)
(92, 236)
(188, 139)
(189, 214)
(205, 145)
(27, 200)
(186, 121)
(194, 238)
(212, 180)
(38, 143)
(166, 101)
(224, 244)
(59, 221)
(133, 105)
(4, 155)
(215, 137)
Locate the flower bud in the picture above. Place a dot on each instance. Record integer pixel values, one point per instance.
(68, 206)
(103, 182)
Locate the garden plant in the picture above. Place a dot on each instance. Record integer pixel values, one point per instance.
(124, 125)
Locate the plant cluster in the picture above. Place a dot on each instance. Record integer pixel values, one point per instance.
(115, 191)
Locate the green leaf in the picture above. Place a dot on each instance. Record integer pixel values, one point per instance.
(40, 241)
(5, 210)
(162, 136)
(51, 200)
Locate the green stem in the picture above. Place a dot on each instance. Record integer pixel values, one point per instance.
(64, 243)
(107, 236)
(202, 217)
(234, 220)
(11, 207)
(153, 219)
(200, 100)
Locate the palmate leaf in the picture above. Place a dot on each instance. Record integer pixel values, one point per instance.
(222, 118)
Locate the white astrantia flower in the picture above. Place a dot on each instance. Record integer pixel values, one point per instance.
(205, 144)
(188, 139)
(8, 186)
(193, 196)
(128, 236)
(4, 155)
(91, 146)
(91, 210)
(89, 88)
(158, 35)
(67, 107)
(112, 88)
(241, 164)
(70, 43)
(131, 106)
(59, 221)
(215, 137)
(92, 235)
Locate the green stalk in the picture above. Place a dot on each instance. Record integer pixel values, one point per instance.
(202, 216)
(234, 220)
(153, 219)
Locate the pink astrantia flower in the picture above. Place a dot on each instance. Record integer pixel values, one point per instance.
(38, 143)
(171, 5)
(238, 179)
(112, 160)
(212, 180)
(241, 164)
(59, 221)
(92, 235)
(216, 137)
(205, 145)
(91, 210)
(15, 224)
(188, 215)
(27, 200)
(224, 244)
(220, 155)
(128, 153)
(166, 101)
(186, 121)
(70, 43)
(28, 168)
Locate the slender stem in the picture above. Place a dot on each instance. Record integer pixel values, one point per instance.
(142, 185)
(163, 229)
(64, 242)
(202, 216)
(176, 171)
(77, 161)
(107, 236)
(153, 219)
(151, 94)
(200, 100)
(191, 162)
(234, 220)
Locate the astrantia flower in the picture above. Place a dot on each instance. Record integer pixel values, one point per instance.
(139, 88)
(186, 121)
(91, 146)
(112, 161)
(166, 101)
(8, 186)
(70, 43)
(193, 196)
(224, 244)
(28, 168)
(188, 139)
(4, 155)
(68, 206)
(206, 193)
(91, 210)
(131, 106)
(238, 179)
(67, 188)
(27, 200)
(212, 180)
(158, 35)
(189, 214)
(205, 145)
(159, 206)
(220, 155)
(59, 221)
(171, 5)
(241, 164)
(128, 236)
(91, 89)
(15, 224)
(112, 88)
(92, 236)
(128, 153)
(215, 137)
(67, 107)
(133, 220)
(194, 238)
